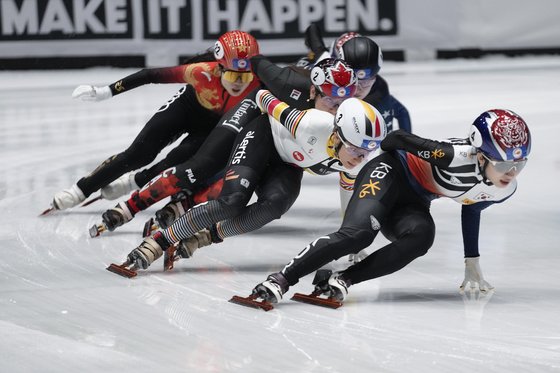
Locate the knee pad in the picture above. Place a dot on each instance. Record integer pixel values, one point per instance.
(425, 237)
(362, 239)
(234, 203)
(277, 205)
(424, 242)
(420, 237)
(352, 241)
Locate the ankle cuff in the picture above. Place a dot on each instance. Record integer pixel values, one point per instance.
(214, 235)
(280, 280)
(161, 240)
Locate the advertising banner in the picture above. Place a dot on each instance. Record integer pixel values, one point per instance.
(158, 32)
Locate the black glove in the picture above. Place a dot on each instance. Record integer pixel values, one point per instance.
(314, 40)
(390, 142)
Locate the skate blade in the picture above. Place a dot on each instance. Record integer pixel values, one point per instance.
(47, 211)
(251, 302)
(97, 229)
(122, 270)
(87, 203)
(149, 227)
(169, 258)
(316, 300)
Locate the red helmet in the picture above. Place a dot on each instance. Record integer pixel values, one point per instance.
(234, 49)
(334, 78)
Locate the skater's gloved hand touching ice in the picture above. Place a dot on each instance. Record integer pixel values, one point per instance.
(92, 93)
(474, 277)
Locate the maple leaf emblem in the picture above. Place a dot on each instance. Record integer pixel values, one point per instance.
(342, 75)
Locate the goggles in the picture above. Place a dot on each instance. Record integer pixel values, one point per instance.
(505, 167)
(364, 74)
(233, 76)
(355, 151)
(336, 92)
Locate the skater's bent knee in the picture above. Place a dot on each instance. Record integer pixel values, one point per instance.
(138, 156)
(356, 238)
(278, 205)
(234, 203)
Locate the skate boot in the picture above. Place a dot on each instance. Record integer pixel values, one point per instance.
(149, 250)
(178, 205)
(120, 187)
(272, 289)
(188, 246)
(117, 216)
(68, 198)
(334, 287)
(185, 248)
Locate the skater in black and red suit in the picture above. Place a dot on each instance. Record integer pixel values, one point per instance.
(213, 88)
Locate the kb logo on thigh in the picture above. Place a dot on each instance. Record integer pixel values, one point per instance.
(380, 171)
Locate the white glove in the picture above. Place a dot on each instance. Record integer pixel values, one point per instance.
(92, 93)
(474, 303)
(474, 277)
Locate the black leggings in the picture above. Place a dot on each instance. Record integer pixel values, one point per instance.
(382, 201)
(181, 114)
(204, 167)
(254, 166)
(212, 157)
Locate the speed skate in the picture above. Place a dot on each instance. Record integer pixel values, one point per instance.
(126, 269)
(169, 258)
(251, 301)
(86, 203)
(89, 202)
(97, 229)
(315, 299)
(149, 227)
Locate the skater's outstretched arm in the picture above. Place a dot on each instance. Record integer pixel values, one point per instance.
(174, 74)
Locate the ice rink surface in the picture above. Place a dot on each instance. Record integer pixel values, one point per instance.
(61, 311)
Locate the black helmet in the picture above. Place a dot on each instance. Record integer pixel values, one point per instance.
(361, 53)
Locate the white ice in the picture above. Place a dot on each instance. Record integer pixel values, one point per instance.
(61, 311)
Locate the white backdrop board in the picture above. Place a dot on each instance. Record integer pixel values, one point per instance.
(162, 30)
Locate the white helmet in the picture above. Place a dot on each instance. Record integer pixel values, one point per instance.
(360, 124)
